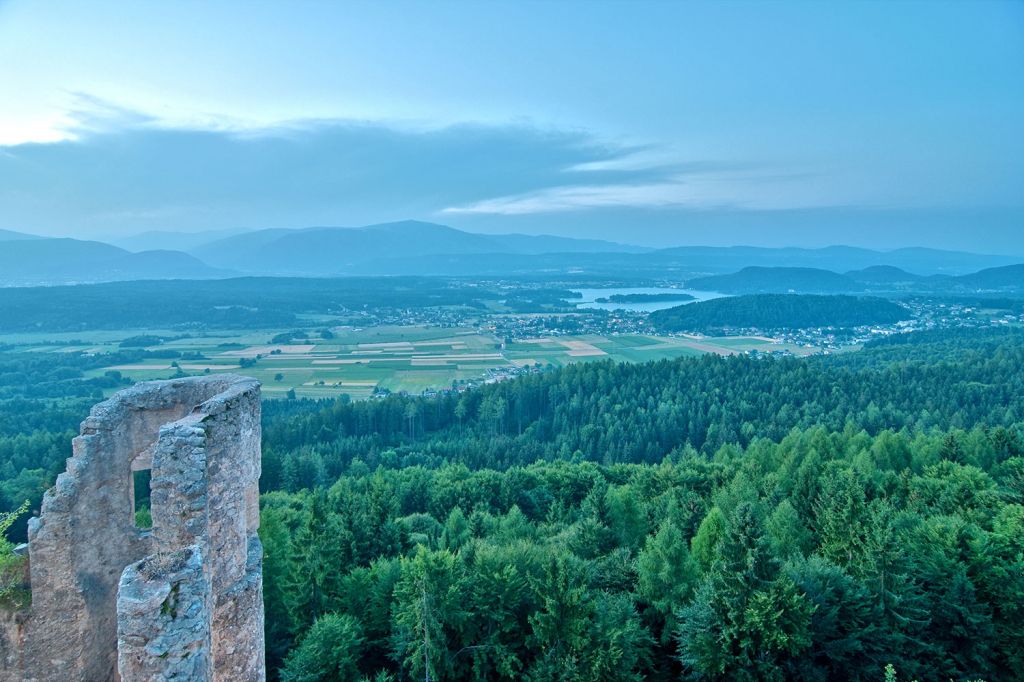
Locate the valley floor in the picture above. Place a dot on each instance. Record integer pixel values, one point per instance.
(362, 362)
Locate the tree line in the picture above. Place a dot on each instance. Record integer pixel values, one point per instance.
(621, 413)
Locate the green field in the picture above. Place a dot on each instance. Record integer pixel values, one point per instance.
(358, 361)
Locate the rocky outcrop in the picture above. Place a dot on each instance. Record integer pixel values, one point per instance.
(182, 600)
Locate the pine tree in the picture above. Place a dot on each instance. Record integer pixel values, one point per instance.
(329, 652)
(747, 620)
(667, 574)
(427, 610)
(319, 551)
(709, 536)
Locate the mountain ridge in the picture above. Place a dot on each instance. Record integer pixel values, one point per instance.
(430, 248)
(337, 250)
(782, 280)
(422, 248)
(11, 235)
(65, 260)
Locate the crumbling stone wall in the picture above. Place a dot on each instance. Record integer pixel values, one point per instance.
(164, 608)
(182, 600)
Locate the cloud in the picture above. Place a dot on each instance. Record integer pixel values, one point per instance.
(124, 171)
(89, 115)
(578, 197)
(703, 186)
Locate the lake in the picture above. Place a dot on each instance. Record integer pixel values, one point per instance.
(590, 296)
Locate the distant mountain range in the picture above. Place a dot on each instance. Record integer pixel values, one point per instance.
(165, 240)
(836, 258)
(63, 261)
(1007, 279)
(379, 249)
(420, 248)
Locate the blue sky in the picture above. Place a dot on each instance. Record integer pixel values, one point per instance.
(880, 124)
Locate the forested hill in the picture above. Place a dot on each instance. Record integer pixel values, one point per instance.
(812, 520)
(756, 279)
(776, 311)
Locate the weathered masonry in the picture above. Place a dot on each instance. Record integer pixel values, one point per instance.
(181, 600)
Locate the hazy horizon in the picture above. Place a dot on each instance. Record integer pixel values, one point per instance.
(199, 236)
(657, 124)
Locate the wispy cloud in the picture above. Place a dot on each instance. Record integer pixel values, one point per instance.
(577, 197)
(91, 115)
(703, 187)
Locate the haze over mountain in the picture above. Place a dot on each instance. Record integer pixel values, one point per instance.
(339, 250)
(415, 247)
(170, 239)
(839, 258)
(1007, 279)
(61, 261)
(420, 248)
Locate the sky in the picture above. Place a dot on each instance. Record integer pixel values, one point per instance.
(774, 123)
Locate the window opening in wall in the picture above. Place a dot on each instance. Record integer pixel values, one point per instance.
(140, 482)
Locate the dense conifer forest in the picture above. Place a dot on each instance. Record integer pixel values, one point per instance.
(708, 518)
(699, 519)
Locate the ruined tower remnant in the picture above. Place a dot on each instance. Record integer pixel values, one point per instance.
(181, 600)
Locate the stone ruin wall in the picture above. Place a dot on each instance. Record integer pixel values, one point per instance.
(180, 601)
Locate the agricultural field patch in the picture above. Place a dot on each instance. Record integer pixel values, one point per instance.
(360, 362)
